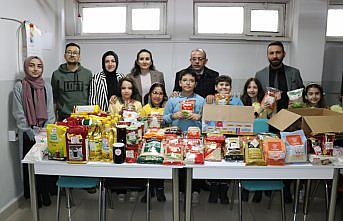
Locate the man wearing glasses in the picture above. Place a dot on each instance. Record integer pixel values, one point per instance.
(206, 77)
(70, 83)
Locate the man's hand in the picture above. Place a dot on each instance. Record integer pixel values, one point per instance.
(210, 99)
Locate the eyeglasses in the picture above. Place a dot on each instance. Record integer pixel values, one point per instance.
(198, 59)
(157, 93)
(70, 53)
(185, 81)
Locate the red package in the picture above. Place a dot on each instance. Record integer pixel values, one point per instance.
(131, 154)
(274, 151)
(193, 133)
(212, 151)
(187, 107)
(173, 152)
(76, 144)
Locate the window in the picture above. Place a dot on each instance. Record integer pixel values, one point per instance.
(239, 19)
(123, 18)
(334, 21)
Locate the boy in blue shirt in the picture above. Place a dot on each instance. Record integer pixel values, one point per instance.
(223, 87)
(173, 115)
(172, 111)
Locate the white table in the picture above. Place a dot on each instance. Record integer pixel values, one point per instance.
(238, 171)
(103, 170)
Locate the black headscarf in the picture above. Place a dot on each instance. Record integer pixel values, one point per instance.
(111, 77)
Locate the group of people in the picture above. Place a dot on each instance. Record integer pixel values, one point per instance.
(36, 102)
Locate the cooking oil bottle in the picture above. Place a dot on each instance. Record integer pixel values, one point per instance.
(108, 139)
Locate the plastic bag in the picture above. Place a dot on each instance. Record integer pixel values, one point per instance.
(296, 98)
(173, 152)
(152, 152)
(296, 150)
(187, 107)
(222, 99)
(253, 151)
(233, 150)
(274, 151)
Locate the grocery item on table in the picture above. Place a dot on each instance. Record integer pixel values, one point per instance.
(173, 151)
(321, 144)
(212, 151)
(152, 152)
(193, 133)
(56, 136)
(109, 137)
(154, 120)
(274, 151)
(194, 153)
(87, 109)
(77, 151)
(233, 150)
(119, 153)
(187, 107)
(95, 142)
(296, 146)
(173, 130)
(130, 116)
(296, 98)
(253, 151)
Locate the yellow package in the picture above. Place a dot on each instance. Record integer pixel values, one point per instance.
(57, 149)
(95, 142)
(253, 151)
(87, 109)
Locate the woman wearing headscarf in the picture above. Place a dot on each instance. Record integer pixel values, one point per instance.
(33, 107)
(105, 84)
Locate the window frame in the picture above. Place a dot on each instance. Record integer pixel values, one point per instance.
(247, 34)
(333, 38)
(128, 27)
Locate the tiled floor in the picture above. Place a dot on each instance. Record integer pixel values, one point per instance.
(86, 209)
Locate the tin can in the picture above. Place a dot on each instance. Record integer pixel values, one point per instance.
(119, 153)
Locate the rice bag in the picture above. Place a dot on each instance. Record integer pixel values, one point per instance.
(274, 151)
(296, 148)
(222, 99)
(296, 98)
(253, 151)
(152, 152)
(233, 150)
(56, 135)
(194, 153)
(187, 107)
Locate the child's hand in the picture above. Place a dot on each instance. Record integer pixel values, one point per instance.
(278, 95)
(175, 94)
(113, 99)
(194, 116)
(178, 115)
(210, 99)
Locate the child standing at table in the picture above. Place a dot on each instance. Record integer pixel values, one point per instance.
(313, 96)
(127, 98)
(173, 115)
(156, 101)
(219, 188)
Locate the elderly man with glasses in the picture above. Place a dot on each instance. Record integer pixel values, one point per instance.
(70, 83)
(206, 77)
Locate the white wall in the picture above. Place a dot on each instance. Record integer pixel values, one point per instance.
(239, 59)
(46, 14)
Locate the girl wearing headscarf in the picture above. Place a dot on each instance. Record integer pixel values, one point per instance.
(105, 84)
(33, 107)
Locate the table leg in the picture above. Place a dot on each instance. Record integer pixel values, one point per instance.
(188, 203)
(296, 199)
(176, 201)
(33, 192)
(148, 199)
(307, 196)
(332, 207)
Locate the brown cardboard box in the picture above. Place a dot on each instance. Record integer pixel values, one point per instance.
(311, 120)
(228, 119)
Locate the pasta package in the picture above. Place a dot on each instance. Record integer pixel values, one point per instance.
(274, 151)
(194, 153)
(173, 151)
(233, 150)
(296, 146)
(187, 107)
(193, 133)
(87, 109)
(212, 151)
(56, 136)
(253, 151)
(222, 99)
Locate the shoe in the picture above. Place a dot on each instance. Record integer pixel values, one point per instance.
(133, 196)
(214, 189)
(46, 201)
(245, 195)
(223, 188)
(195, 197)
(121, 197)
(160, 195)
(257, 197)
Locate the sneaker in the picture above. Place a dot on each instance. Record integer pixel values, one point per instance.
(195, 197)
(160, 195)
(133, 196)
(121, 197)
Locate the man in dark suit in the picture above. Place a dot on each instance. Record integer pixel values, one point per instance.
(206, 77)
(278, 75)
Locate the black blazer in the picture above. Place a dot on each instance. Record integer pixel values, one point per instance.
(205, 82)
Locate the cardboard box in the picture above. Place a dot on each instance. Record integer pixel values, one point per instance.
(228, 119)
(311, 120)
